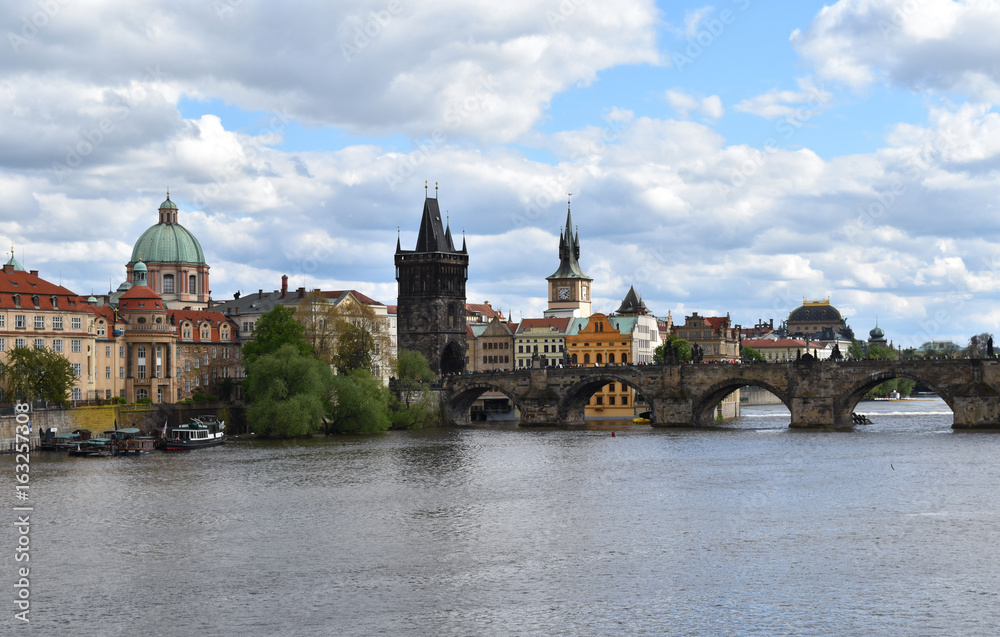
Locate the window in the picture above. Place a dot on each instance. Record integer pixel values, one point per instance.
(3, 320)
(159, 362)
(57, 345)
(121, 351)
(204, 332)
(141, 393)
(187, 333)
(168, 284)
(39, 343)
(20, 342)
(187, 385)
(187, 366)
(197, 363)
(3, 345)
(600, 400)
(121, 372)
(624, 359)
(101, 331)
(192, 284)
(55, 302)
(20, 322)
(611, 400)
(75, 345)
(107, 371)
(236, 353)
(141, 361)
(586, 359)
(224, 333)
(76, 323)
(77, 394)
(624, 400)
(205, 362)
(77, 370)
(39, 322)
(107, 351)
(213, 353)
(225, 352)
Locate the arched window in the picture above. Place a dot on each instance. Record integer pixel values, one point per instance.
(600, 359)
(168, 284)
(611, 358)
(586, 359)
(141, 393)
(624, 359)
(193, 284)
(574, 359)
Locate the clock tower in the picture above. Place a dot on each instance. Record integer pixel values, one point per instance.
(569, 287)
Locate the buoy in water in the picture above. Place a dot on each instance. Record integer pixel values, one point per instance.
(612, 434)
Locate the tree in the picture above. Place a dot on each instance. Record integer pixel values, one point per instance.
(363, 340)
(675, 350)
(877, 352)
(31, 373)
(751, 355)
(274, 330)
(979, 345)
(288, 392)
(355, 348)
(857, 350)
(360, 404)
(412, 373)
(317, 317)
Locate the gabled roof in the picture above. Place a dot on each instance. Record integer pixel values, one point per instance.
(559, 325)
(197, 318)
(137, 294)
(623, 324)
(766, 343)
(482, 309)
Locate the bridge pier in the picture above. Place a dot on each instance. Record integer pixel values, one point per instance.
(814, 412)
(976, 406)
(673, 411)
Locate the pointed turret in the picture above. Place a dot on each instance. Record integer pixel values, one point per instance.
(632, 304)
(569, 253)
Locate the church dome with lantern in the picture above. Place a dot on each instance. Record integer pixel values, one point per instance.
(174, 260)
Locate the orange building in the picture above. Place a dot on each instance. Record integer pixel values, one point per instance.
(602, 340)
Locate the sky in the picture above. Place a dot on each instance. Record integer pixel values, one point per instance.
(734, 157)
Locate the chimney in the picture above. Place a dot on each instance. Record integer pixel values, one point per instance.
(33, 272)
(7, 267)
(301, 292)
(260, 293)
(284, 285)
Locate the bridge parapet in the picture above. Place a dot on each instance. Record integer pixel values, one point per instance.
(819, 394)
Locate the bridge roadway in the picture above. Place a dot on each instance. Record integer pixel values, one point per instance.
(819, 394)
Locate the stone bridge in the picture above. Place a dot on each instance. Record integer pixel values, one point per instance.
(819, 394)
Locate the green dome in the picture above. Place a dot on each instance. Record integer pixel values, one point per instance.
(168, 205)
(168, 243)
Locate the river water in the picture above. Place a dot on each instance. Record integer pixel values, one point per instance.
(747, 529)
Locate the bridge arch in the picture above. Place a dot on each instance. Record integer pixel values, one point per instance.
(573, 403)
(846, 403)
(704, 405)
(460, 402)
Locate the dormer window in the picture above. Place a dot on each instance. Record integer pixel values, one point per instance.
(17, 300)
(141, 319)
(55, 302)
(34, 300)
(141, 304)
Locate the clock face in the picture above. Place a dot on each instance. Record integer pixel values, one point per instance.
(563, 294)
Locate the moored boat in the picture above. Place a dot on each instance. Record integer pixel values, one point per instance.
(127, 441)
(52, 440)
(204, 431)
(93, 447)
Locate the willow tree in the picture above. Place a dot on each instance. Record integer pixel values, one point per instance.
(30, 373)
(288, 393)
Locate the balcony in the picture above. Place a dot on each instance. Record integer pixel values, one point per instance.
(151, 327)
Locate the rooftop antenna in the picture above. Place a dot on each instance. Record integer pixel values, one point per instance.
(435, 190)
(425, 189)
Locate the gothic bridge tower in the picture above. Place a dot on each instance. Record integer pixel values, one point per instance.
(430, 299)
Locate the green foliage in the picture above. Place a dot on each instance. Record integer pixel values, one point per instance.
(355, 347)
(977, 347)
(360, 404)
(226, 389)
(144, 401)
(752, 355)
(274, 330)
(857, 350)
(877, 352)
(31, 373)
(415, 414)
(676, 349)
(287, 392)
(199, 397)
(412, 373)
(902, 385)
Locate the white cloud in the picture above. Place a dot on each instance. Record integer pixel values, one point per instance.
(941, 46)
(682, 102)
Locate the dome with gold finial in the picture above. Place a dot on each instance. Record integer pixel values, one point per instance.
(168, 241)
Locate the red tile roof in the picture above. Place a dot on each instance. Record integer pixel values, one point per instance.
(560, 324)
(764, 343)
(28, 285)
